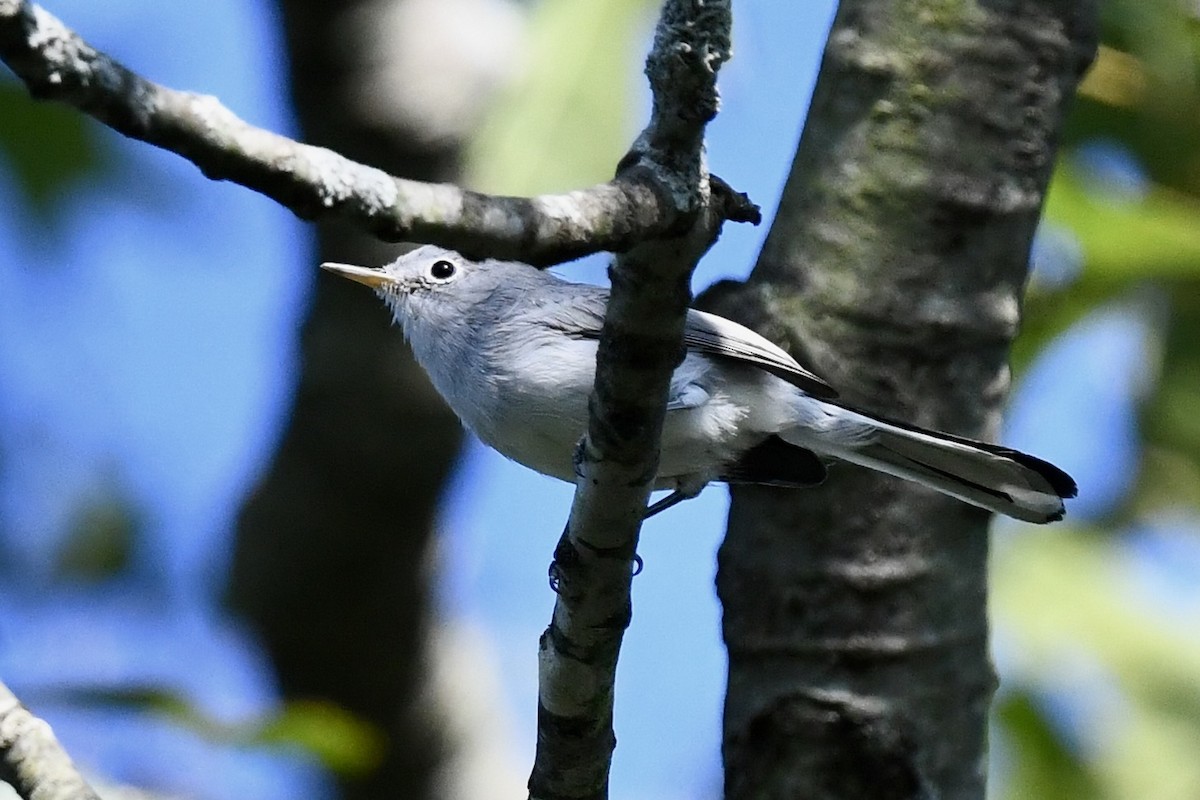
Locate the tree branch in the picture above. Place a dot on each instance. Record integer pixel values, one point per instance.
(315, 183)
(640, 346)
(31, 759)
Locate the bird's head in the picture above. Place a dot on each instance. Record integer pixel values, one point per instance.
(430, 288)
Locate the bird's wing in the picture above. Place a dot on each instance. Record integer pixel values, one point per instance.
(577, 312)
(717, 336)
(581, 313)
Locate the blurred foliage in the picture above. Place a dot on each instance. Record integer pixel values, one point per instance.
(1149, 236)
(1084, 625)
(341, 741)
(1043, 766)
(47, 147)
(1105, 699)
(102, 540)
(569, 119)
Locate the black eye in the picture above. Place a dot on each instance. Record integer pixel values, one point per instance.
(442, 270)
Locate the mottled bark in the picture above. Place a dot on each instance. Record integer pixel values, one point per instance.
(855, 614)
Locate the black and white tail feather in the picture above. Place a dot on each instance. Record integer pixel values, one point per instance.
(991, 476)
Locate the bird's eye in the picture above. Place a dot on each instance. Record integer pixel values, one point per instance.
(442, 270)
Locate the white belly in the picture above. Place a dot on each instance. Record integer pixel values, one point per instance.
(538, 413)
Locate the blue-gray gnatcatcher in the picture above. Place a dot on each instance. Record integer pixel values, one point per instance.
(513, 350)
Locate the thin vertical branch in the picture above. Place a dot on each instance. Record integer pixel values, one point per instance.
(640, 346)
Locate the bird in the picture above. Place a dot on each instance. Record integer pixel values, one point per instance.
(512, 349)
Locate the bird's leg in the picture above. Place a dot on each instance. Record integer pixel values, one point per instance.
(674, 498)
(681, 493)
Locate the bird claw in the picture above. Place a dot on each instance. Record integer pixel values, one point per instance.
(555, 576)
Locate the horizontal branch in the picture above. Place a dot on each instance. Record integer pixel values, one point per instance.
(316, 183)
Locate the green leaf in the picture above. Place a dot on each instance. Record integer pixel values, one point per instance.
(1043, 767)
(48, 147)
(105, 532)
(1143, 89)
(342, 741)
(1155, 236)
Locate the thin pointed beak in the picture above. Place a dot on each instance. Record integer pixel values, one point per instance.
(375, 278)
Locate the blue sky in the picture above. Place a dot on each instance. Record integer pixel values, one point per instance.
(146, 351)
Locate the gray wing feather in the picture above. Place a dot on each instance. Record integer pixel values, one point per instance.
(577, 311)
(580, 312)
(718, 336)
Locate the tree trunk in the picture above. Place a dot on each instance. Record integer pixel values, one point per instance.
(855, 614)
(333, 559)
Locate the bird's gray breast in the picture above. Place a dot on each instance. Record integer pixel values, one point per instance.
(535, 410)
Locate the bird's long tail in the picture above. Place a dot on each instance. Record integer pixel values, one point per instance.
(997, 478)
